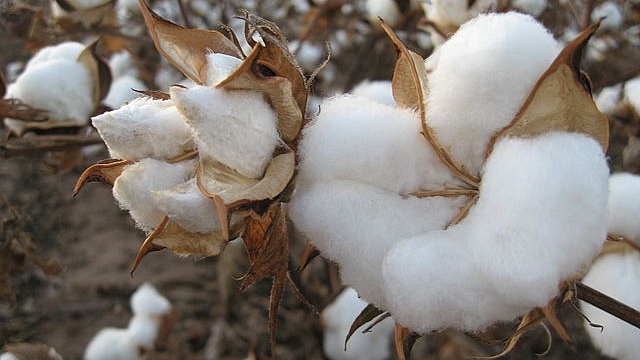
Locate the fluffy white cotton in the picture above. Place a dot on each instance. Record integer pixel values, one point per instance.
(354, 138)
(354, 224)
(64, 88)
(146, 300)
(144, 128)
(533, 7)
(186, 205)
(608, 99)
(624, 206)
(122, 64)
(387, 10)
(86, 4)
(133, 188)
(8, 356)
(219, 67)
(112, 344)
(308, 55)
(337, 318)
(539, 220)
(121, 91)
(632, 93)
(237, 128)
(617, 275)
(449, 14)
(468, 101)
(68, 50)
(376, 90)
(611, 15)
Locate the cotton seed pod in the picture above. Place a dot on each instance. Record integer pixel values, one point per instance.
(236, 128)
(144, 128)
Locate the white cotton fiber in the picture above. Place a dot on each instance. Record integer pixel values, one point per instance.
(624, 206)
(632, 93)
(237, 128)
(610, 14)
(532, 7)
(143, 330)
(69, 50)
(608, 99)
(132, 189)
(146, 300)
(376, 90)
(112, 344)
(481, 78)
(354, 224)
(121, 64)
(144, 128)
(354, 138)
(186, 205)
(337, 318)
(539, 220)
(219, 67)
(541, 216)
(449, 14)
(618, 276)
(62, 87)
(387, 10)
(121, 91)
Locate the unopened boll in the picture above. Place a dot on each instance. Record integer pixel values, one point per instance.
(238, 129)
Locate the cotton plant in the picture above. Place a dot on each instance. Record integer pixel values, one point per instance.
(487, 180)
(125, 81)
(616, 271)
(206, 163)
(152, 319)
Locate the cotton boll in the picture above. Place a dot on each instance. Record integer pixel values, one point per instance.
(618, 276)
(470, 100)
(112, 344)
(354, 224)
(146, 301)
(624, 206)
(632, 93)
(237, 128)
(144, 128)
(387, 10)
(186, 205)
(611, 15)
(541, 215)
(68, 50)
(133, 188)
(449, 14)
(121, 64)
(121, 91)
(143, 331)
(608, 99)
(354, 138)
(219, 67)
(379, 91)
(8, 356)
(62, 87)
(532, 7)
(337, 318)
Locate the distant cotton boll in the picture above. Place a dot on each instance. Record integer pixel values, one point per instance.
(632, 93)
(144, 128)
(611, 15)
(449, 14)
(143, 330)
(624, 206)
(8, 356)
(354, 224)
(122, 64)
(86, 4)
(337, 318)
(469, 101)
(308, 55)
(379, 90)
(608, 99)
(186, 205)
(617, 275)
(354, 138)
(387, 10)
(219, 67)
(132, 189)
(131, 6)
(62, 87)
(69, 50)
(112, 344)
(121, 91)
(237, 128)
(541, 215)
(146, 300)
(532, 7)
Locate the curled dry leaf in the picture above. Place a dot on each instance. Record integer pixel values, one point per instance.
(106, 171)
(98, 69)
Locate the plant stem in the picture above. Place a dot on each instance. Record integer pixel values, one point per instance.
(608, 304)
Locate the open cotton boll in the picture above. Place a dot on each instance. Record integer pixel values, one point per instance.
(387, 10)
(112, 344)
(337, 318)
(121, 64)
(144, 128)
(219, 67)
(133, 188)
(632, 93)
(378, 90)
(618, 276)
(143, 330)
(608, 99)
(354, 138)
(541, 215)
(624, 206)
(609, 14)
(68, 50)
(236, 128)
(532, 7)
(63, 88)
(186, 205)
(449, 14)
(146, 300)
(469, 101)
(121, 91)
(354, 224)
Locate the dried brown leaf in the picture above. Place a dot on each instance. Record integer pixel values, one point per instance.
(17, 110)
(310, 253)
(28, 351)
(185, 48)
(560, 101)
(98, 69)
(106, 171)
(404, 340)
(368, 314)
